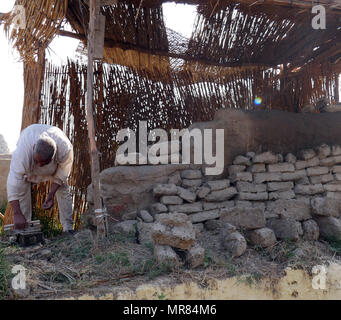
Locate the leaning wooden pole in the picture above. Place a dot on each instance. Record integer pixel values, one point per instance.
(34, 72)
(94, 156)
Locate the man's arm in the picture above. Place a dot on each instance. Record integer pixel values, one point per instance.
(48, 204)
(19, 218)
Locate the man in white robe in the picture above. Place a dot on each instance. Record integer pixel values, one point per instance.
(43, 153)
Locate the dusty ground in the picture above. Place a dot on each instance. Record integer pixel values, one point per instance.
(67, 266)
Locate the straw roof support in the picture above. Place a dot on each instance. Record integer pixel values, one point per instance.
(94, 156)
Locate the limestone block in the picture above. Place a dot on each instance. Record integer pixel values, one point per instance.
(165, 190)
(285, 228)
(263, 237)
(243, 186)
(330, 227)
(336, 150)
(205, 215)
(234, 243)
(317, 171)
(281, 167)
(203, 191)
(248, 218)
(191, 174)
(281, 195)
(266, 177)
(217, 205)
(235, 169)
(290, 158)
(265, 157)
(221, 195)
(333, 187)
(311, 230)
(298, 209)
(321, 179)
(293, 176)
(146, 216)
(218, 184)
(158, 208)
(175, 178)
(189, 183)
(309, 189)
(323, 206)
(187, 195)
(186, 207)
(307, 154)
(259, 196)
(195, 256)
(280, 186)
(241, 160)
(323, 151)
(256, 168)
(166, 255)
(241, 176)
(171, 200)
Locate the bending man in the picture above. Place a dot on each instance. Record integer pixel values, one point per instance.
(43, 153)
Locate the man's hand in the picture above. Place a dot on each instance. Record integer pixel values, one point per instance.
(19, 221)
(48, 204)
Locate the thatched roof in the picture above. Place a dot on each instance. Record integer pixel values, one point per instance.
(228, 36)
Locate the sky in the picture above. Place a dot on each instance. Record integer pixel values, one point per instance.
(177, 17)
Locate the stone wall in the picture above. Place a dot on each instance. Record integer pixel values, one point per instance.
(264, 198)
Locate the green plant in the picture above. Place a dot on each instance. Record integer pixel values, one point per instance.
(208, 260)
(4, 274)
(334, 243)
(250, 279)
(50, 226)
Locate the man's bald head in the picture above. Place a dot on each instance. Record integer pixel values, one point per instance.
(44, 151)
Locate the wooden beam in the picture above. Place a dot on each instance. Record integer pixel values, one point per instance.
(126, 46)
(94, 155)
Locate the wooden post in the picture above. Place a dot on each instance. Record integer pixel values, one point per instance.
(34, 73)
(94, 156)
(337, 88)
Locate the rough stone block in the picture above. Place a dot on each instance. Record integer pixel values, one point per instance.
(337, 177)
(333, 195)
(171, 200)
(281, 195)
(307, 154)
(217, 205)
(198, 228)
(317, 171)
(203, 191)
(257, 168)
(336, 169)
(235, 169)
(330, 227)
(195, 256)
(299, 165)
(263, 237)
(280, 186)
(212, 225)
(165, 254)
(186, 195)
(323, 151)
(173, 219)
(204, 216)
(328, 162)
(266, 177)
(259, 196)
(265, 157)
(165, 190)
(125, 228)
(244, 204)
(235, 244)
(259, 205)
(221, 195)
(311, 230)
(281, 167)
(175, 178)
(323, 206)
(241, 176)
(181, 237)
(309, 189)
(248, 218)
(293, 176)
(218, 184)
(191, 174)
(241, 160)
(313, 162)
(186, 208)
(251, 154)
(146, 216)
(298, 209)
(243, 186)
(336, 150)
(189, 183)
(333, 187)
(290, 158)
(321, 179)
(157, 208)
(285, 228)
(144, 232)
